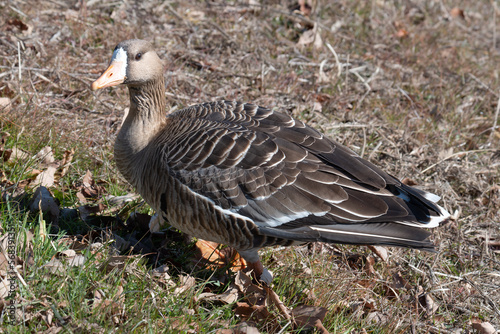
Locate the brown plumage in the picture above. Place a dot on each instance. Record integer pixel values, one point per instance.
(249, 177)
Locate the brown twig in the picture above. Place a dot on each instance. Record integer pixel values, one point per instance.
(456, 155)
(495, 121)
(275, 299)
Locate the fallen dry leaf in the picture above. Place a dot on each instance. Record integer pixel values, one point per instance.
(360, 307)
(182, 326)
(254, 302)
(66, 162)
(252, 293)
(62, 304)
(356, 261)
(428, 303)
(457, 13)
(311, 36)
(390, 292)
(53, 330)
(74, 243)
(483, 327)
(160, 271)
(23, 240)
(13, 154)
(399, 282)
(245, 328)
(208, 251)
(317, 106)
(228, 297)
(120, 294)
(380, 251)
(377, 317)
(255, 313)
(4, 288)
(46, 178)
(162, 276)
(60, 266)
(4, 265)
(45, 156)
(5, 154)
(47, 316)
(5, 104)
(89, 189)
(55, 266)
(306, 270)
(17, 25)
(66, 253)
(213, 256)
(309, 317)
(370, 261)
(186, 282)
(71, 14)
(108, 306)
(119, 262)
(76, 261)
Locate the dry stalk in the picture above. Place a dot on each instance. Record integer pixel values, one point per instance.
(484, 295)
(495, 121)
(456, 155)
(19, 68)
(337, 61)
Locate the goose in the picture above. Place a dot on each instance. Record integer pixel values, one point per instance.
(250, 177)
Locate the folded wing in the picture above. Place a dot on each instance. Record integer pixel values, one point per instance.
(293, 182)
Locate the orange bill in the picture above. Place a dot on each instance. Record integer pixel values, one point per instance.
(116, 72)
(114, 75)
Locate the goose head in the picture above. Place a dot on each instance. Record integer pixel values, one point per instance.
(134, 63)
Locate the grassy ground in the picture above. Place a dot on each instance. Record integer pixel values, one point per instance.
(413, 86)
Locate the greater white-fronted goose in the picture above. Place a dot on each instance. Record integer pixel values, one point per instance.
(249, 177)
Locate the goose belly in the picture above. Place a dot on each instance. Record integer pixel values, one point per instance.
(199, 217)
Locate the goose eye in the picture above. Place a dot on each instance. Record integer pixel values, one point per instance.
(138, 56)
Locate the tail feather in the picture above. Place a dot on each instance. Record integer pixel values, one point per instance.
(388, 234)
(423, 205)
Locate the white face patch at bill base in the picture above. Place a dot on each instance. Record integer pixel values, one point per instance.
(120, 56)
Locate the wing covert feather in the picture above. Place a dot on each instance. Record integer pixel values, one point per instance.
(274, 169)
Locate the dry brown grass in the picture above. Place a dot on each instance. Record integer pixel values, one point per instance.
(414, 89)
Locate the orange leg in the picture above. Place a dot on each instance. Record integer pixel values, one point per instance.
(257, 267)
(259, 272)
